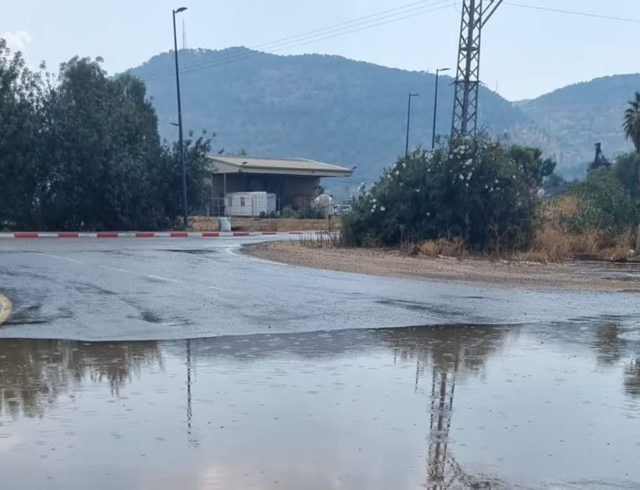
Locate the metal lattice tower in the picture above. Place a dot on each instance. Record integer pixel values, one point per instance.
(443, 387)
(465, 105)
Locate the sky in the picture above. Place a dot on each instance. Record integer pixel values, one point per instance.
(525, 52)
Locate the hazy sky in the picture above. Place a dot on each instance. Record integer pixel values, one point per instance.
(526, 52)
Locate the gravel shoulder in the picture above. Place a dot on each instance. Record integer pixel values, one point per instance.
(574, 276)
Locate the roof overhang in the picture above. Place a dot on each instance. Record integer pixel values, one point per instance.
(274, 166)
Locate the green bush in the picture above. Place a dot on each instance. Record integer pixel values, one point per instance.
(607, 204)
(477, 189)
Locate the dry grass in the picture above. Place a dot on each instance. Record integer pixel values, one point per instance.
(320, 240)
(555, 242)
(430, 248)
(554, 245)
(443, 247)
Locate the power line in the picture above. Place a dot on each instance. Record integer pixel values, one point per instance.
(356, 25)
(225, 58)
(573, 12)
(333, 28)
(400, 8)
(251, 54)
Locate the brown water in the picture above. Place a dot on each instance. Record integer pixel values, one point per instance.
(554, 406)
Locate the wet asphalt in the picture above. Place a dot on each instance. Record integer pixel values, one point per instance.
(196, 367)
(160, 289)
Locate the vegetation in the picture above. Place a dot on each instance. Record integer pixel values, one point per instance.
(82, 151)
(632, 132)
(479, 195)
(477, 189)
(563, 233)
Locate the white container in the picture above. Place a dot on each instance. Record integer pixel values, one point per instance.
(249, 204)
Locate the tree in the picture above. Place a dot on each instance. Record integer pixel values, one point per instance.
(21, 96)
(626, 171)
(168, 175)
(82, 151)
(632, 131)
(101, 144)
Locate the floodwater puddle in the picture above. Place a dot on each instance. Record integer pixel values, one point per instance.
(555, 406)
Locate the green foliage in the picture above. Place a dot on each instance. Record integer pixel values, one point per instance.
(477, 189)
(631, 127)
(313, 212)
(82, 152)
(631, 123)
(606, 204)
(554, 184)
(21, 98)
(626, 171)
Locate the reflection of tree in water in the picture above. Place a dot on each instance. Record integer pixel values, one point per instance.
(607, 344)
(33, 373)
(611, 348)
(632, 378)
(450, 352)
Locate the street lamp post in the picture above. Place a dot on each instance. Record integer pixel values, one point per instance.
(435, 109)
(406, 146)
(185, 205)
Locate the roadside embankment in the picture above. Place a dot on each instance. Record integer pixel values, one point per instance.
(576, 276)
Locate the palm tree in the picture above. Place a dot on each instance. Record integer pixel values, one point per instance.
(632, 131)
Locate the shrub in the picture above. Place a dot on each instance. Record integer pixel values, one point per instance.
(476, 189)
(605, 203)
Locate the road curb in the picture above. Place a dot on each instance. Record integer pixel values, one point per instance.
(155, 234)
(5, 308)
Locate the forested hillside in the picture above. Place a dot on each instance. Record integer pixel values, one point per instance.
(354, 113)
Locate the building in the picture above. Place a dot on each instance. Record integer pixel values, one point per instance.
(293, 182)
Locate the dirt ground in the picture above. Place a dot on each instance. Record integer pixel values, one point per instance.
(581, 276)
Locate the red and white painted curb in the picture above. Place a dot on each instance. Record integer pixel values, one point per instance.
(157, 234)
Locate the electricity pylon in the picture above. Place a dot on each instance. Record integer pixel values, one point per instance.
(465, 105)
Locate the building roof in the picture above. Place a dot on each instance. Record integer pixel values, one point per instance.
(282, 166)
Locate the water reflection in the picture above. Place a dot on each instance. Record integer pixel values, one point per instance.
(34, 373)
(632, 378)
(372, 409)
(449, 352)
(607, 343)
(613, 343)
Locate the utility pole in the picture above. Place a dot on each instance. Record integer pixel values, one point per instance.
(435, 109)
(185, 204)
(465, 105)
(406, 146)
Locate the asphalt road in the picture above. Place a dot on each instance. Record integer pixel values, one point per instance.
(152, 289)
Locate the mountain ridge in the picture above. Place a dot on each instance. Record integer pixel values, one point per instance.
(331, 108)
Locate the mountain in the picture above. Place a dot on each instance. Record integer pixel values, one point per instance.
(351, 113)
(580, 115)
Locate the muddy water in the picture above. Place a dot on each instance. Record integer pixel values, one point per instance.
(554, 406)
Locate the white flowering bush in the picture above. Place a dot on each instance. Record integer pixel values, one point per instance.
(477, 189)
